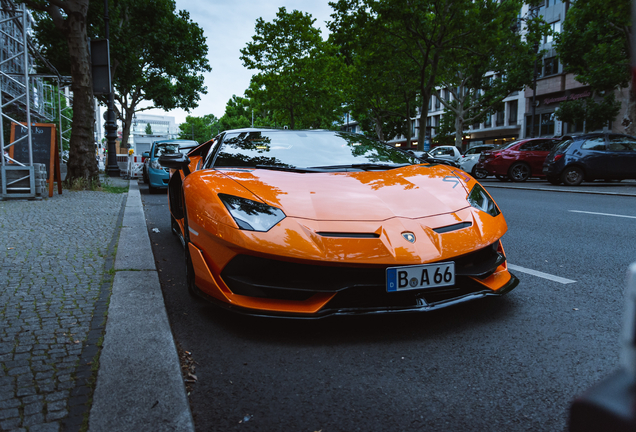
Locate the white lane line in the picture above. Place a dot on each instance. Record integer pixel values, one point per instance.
(553, 278)
(602, 214)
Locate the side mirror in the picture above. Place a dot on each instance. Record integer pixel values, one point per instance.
(146, 154)
(176, 161)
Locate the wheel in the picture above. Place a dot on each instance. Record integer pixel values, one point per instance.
(572, 176)
(554, 180)
(190, 277)
(501, 177)
(519, 172)
(479, 174)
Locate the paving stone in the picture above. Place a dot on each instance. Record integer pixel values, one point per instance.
(48, 298)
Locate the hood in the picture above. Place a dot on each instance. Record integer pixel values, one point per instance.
(411, 192)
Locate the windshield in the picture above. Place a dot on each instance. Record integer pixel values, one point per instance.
(307, 150)
(170, 148)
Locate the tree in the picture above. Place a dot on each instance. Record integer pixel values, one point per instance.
(381, 91)
(595, 45)
(148, 129)
(148, 62)
(69, 19)
(299, 75)
(200, 129)
(482, 73)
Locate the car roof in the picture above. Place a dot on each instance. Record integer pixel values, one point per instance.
(181, 142)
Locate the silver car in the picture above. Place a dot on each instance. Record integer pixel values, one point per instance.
(469, 160)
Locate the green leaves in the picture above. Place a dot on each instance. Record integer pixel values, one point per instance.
(298, 79)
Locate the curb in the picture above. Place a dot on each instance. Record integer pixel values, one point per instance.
(139, 384)
(490, 185)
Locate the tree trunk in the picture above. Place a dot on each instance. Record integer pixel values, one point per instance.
(82, 162)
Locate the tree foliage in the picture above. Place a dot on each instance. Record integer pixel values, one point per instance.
(595, 45)
(200, 129)
(298, 78)
(148, 62)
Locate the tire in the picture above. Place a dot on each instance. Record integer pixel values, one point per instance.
(572, 176)
(502, 178)
(479, 174)
(190, 276)
(554, 180)
(145, 176)
(151, 189)
(519, 172)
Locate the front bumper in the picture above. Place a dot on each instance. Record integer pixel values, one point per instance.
(265, 287)
(158, 178)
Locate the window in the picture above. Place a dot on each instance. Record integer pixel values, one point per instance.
(512, 112)
(550, 66)
(430, 103)
(594, 144)
(488, 121)
(556, 28)
(500, 117)
(437, 102)
(547, 124)
(621, 143)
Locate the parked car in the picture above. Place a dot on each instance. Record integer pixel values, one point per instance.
(154, 174)
(450, 153)
(592, 156)
(517, 161)
(426, 157)
(311, 223)
(469, 159)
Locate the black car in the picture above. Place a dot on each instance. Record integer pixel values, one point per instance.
(590, 157)
(426, 157)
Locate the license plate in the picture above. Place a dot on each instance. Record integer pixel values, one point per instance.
(420, 276)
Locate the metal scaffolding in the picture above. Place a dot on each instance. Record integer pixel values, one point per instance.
(25, 97)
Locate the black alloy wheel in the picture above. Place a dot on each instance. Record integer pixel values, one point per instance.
(190, 278)
(572, 176)
(479, 174)
(519, 172)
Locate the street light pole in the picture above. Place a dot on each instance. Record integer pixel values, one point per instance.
(112, 169)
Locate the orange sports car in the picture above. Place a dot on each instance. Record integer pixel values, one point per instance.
(312, 223)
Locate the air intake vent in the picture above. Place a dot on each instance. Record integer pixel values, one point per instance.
(348, 235)
(453, 227)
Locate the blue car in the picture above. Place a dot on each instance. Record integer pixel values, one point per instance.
(155, 175)
(590, 157)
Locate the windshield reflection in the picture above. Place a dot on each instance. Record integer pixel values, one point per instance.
(306, 149)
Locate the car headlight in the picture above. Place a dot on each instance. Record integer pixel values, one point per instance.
(155, 164)
(479, 199)
(252, 215)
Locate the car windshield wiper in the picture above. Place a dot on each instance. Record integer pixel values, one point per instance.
(286, 168)
(362, 166)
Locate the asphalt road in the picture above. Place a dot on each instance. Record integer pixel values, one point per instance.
(509, 364)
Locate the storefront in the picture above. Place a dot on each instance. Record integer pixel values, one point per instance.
(545, 121)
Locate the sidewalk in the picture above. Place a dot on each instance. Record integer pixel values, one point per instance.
(57, 261)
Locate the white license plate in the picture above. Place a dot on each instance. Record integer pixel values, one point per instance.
(420, 276)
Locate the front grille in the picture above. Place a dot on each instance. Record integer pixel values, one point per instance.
(266, 278)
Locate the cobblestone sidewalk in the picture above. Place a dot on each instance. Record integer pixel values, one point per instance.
(55, 256)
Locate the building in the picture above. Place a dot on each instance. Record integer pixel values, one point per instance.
(160, 125)
(539, 101)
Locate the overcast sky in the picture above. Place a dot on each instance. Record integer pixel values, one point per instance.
(228, 25)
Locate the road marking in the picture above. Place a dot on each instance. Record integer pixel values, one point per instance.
(553, 278)
(603, 214)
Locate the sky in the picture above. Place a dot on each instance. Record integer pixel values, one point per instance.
(228, 26)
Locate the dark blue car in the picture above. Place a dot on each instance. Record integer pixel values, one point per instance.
(590, 157)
